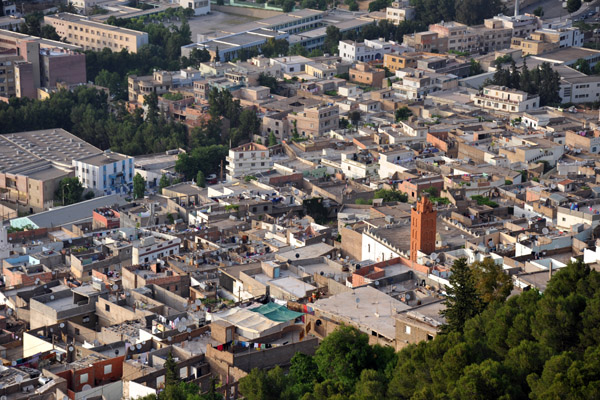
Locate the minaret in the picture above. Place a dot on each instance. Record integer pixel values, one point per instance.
(422, 228)
(516, 8)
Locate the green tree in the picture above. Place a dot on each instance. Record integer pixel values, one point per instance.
(200, 180)
(354, 117)
(342, 355)
(372, 385)
(473, 12)
(206, 159)
(69, 191)
(475, 68)
(49, 32)
(573, 5)
(402, 114)
(297, 49)
(171, 373)
(539, 11)
(492, 283)
(139, 186)
(268, 81)
(261, 385)
(389, 196)
(462, 301)
(163, 183)
(377, 5)
(332, 39)
(272, 139)
(583, 66)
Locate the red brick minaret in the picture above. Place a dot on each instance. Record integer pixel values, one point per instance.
(422, 228)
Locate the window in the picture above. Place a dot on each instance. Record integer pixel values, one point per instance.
(83, 378)
(407, 329)
(86, 320)
(107, 369)
(107, 307)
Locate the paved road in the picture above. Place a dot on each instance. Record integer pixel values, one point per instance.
(553, 9)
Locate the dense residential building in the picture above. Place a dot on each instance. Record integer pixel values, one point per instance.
(106, 173)
(364, 189)
(545, 40)
(248, 159)
(367, 75)
(369, 50)
(92, 35)
(314, 121)
(507, 100)
(427, 41)
(399, 11)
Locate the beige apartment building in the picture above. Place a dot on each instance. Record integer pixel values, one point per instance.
(95, 36)
(315, 121)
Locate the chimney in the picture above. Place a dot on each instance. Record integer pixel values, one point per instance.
(516, 8)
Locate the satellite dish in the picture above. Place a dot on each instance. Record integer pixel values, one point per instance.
(189, 330)
(19, 378)
(198, 302)
(376, 283)
(62, 325)
(13, 363)
(357, 300)
(433, 256)
(407, 296)
(52, 297)
(545, 231)
(297, 255)
(86, 387)
(181, 329)
(71, 348)
(115, 287)
(138, 346)
(169, 338)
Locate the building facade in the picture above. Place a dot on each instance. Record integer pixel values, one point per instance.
(95, 36)
(200, 7)
(314, 121)
(106, 173)
(248, 159)
(503, 99)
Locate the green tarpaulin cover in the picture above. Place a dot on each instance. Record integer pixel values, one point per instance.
(276, 312)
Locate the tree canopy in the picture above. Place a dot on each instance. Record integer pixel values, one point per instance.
(531, 345)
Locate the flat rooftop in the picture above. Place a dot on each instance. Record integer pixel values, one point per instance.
(365, 307)
(103, 159)
(55, 145)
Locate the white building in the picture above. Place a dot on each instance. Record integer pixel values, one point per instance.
(105, 173)
(392, 162)
(148, 249)
(399, 12)
(369, 50)
(503, 99)
(580, 89)
(9, 8)
(248, 159)
(200, 7)
(291, 64)
(359, 165)
(521, 25)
